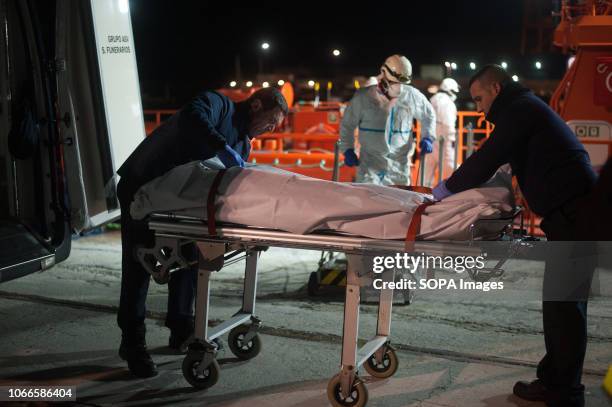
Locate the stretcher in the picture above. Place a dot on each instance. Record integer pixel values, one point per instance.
(221, 244)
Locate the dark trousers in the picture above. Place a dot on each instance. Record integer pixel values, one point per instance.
(567, 277)
(135, 279)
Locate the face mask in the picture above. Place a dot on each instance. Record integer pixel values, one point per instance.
(391, 90)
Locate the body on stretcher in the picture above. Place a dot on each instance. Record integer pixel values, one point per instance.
(377, 357)
(359, 220)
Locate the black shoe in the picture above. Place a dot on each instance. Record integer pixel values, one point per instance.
(181, 330)
(178, 341)
(532, 391)
(138, 359)
(180, 333)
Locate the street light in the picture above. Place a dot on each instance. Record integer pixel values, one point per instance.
(265, 46)
(504, 65)
(453, 66)
(538, 65)
(472, 66)
(249, 84)
(336, 52)
(515, 78)
(233, 84)
(265, 84)
(311, 83)
(448, 68)
(280, 82)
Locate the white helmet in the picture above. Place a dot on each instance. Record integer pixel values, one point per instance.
(449, 85)
(397, 68)
(370, 81)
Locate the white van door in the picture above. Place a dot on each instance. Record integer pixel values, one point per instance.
(101, 118)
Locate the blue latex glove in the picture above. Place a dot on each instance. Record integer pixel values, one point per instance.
(230, 158)
(440, 191)
(426, 145)
(350, 158)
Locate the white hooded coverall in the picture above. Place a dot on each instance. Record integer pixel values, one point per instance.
(446, 118)
(385, 133)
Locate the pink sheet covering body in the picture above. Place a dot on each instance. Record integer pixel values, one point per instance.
(270, 198)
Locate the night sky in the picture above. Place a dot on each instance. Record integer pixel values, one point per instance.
(191, 45)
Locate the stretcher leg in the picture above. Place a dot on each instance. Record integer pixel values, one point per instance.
(200, 368)
(346, 389)
(245, 314)
(383, 362)
(250, 283)
(244, 341)
(202, 305)
(351, 326)
(210, 259)
(383, 325)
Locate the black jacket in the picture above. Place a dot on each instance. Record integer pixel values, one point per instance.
(551, 165)
(196, 132)
(595, 217)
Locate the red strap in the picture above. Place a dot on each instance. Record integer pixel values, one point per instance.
(415, 222)
(413, 188)
(415, 225)
(210, 203)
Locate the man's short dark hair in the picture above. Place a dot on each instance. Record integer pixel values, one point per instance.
(271, 98)
(489, 74)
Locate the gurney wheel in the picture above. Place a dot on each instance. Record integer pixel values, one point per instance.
(357, 398)
(243, 350)
(209, 377)
(386, 368)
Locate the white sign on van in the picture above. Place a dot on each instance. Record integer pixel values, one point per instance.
(120, 86)
(596, 136)
(597, 129)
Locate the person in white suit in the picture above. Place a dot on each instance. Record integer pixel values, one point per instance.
(384, 115)
(443, 103)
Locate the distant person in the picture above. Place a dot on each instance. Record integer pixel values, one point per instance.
(384, 115)
(211, 125)
(443, 103)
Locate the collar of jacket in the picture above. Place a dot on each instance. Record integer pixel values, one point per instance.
(510, 91)
(241, 118)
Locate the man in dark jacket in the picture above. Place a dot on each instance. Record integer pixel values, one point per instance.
(211, 125)
(554, 173)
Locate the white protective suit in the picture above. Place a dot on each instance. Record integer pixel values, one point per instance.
(446, 119)
(385, 133)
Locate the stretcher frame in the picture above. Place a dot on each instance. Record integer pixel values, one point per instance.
(200, 368)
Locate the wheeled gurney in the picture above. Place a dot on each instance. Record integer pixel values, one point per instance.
(220, 244)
